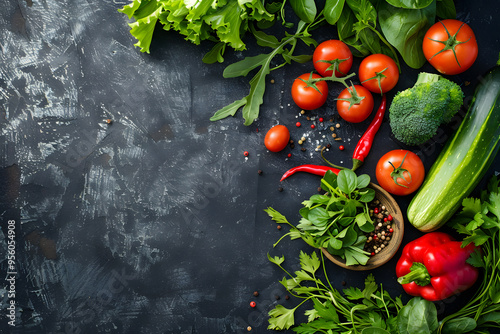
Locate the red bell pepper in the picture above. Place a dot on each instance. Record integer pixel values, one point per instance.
(434, 267)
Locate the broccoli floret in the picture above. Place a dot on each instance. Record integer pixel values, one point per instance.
(417, 112)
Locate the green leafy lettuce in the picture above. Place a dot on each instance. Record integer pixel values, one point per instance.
(219, 21)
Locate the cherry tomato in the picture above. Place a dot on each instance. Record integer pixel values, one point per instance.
(355, 105)
(378, 73)
(325, 56)
(277, 138)
(403, 165)
(450, 46)
(305, 95)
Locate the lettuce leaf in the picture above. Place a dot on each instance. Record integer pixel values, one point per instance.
(217, 20)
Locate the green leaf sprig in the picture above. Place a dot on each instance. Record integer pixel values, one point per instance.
(479, 222)
(371, 310)
(337, 220)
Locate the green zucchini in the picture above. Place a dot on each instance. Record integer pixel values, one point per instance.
(464, 160)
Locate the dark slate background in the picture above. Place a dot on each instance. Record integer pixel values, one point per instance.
(155, 223)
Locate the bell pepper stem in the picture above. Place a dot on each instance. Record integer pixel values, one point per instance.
(418, 274)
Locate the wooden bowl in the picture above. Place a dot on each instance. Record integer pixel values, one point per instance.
(388, 252)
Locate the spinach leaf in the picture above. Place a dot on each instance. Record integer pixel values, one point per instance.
(304, 9)
(347, 181)
(459, 326)
(367, 195)
(445, 9)
(410, 4)
(405, 30)
(355, 256)
(331, 179)
(333, 10)
(345, 24)
(363, 181)
(418, 316)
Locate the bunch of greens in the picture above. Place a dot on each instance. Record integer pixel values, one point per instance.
(221, 21)
(372, 310)
(368, 311)
(337, 220)
(479, 221)
(367, 26)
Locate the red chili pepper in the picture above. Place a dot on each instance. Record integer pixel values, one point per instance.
(312, 169)
(434, 267)
(365, 142)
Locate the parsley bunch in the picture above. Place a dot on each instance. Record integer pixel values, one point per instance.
(371, 310)
(479, 221)
(337, 220)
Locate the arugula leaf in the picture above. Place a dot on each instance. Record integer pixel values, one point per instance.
(215, 54)
(255, 97)
(266, 40)
(243, 67)
(229, 110)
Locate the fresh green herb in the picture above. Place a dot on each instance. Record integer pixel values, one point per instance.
(337, 220)
(479, 221)
(371, 310)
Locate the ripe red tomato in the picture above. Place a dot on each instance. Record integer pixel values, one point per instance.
(450, 46)
(378, 67)
(277, 138)
(406, 166)
(307, 97)
(325, 55)
(355, 105)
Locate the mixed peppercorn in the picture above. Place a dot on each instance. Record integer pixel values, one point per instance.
(379, 239)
